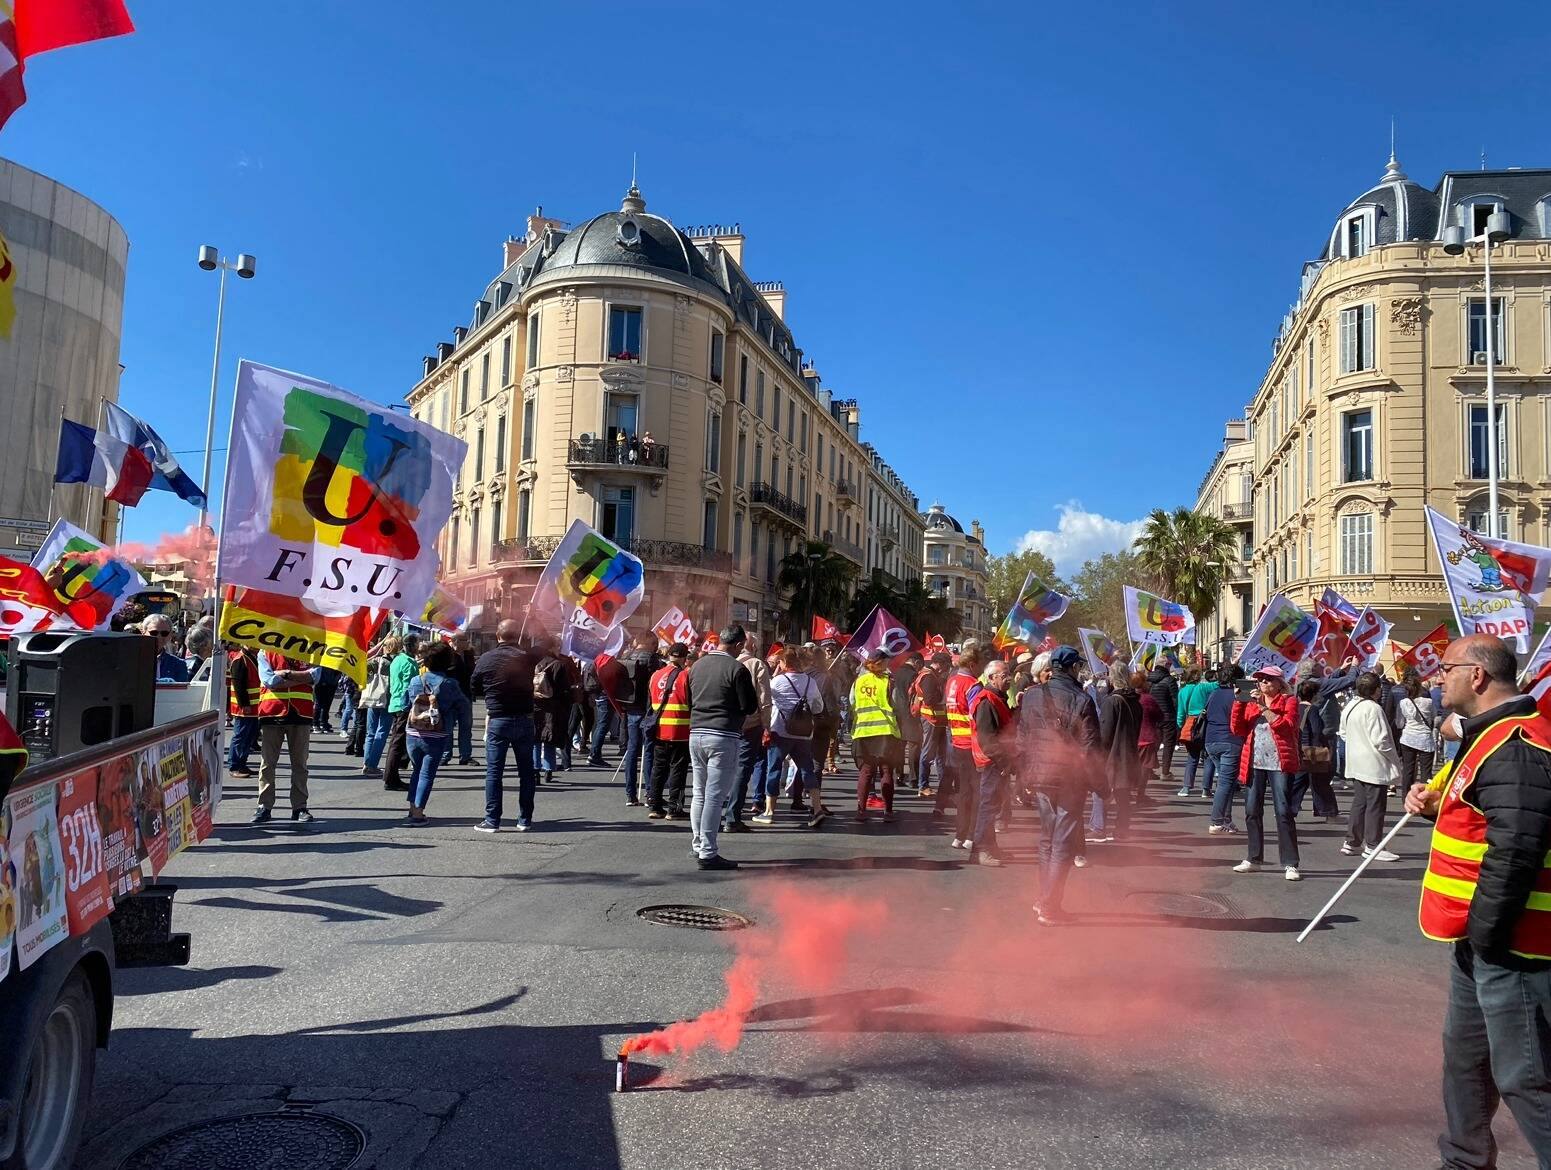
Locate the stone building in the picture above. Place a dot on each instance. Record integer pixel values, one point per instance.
(1227, 492)
(62, 358)
(1374, 402)
(631, 375)
(956, 570)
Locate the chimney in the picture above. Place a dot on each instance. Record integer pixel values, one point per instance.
(538, 224)
(774, 292)
(977, 532)
(510, 250)
(731, 238)
(854, 421)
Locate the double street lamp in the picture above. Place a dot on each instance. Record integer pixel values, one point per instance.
(1454, 241)
(244, 266)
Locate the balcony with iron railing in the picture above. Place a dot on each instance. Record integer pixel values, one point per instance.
(590, 451)
(845, 493)
(1238, 512)
(537, 550)
(1238, 571)
(845, 548)
(888, 535)
(762, 495)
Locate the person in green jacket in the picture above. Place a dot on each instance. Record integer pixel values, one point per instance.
(1191, 708)
(401, 672)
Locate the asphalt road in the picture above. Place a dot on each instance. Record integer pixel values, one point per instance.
(459, 996)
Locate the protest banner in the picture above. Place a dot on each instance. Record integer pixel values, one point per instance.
(32, 839)
(1493, 584)
(881, 630)
(1283, 637)
(84, 575)
(295, 628)
(87, 896)
(675, 626)
(1427, 653)
(1098, 649)
(1369, 637)
(1150, 618)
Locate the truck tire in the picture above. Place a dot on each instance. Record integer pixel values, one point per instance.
(60, 1072)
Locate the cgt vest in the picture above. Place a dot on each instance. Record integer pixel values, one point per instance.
(673, 726)
(871, 713)
(961, 729)
(1003, 719)
(234, 705)
(936, 716)
(294, 700)
(1459, 844)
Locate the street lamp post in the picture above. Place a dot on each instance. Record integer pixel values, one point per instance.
(244, 266)
(813, 563)
(1454, 241)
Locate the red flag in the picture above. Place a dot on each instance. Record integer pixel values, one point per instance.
(30, 27)
(1427, 652)
(825, 630)
(28, 602)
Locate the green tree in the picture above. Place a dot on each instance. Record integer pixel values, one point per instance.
(1188, 554)
(1099, 597)
(918, 610)
(817, 580)
(1006, 573)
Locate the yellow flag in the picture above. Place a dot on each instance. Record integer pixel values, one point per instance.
(7, 289)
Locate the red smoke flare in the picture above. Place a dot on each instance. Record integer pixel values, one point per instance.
(805, 939)
(194, 548)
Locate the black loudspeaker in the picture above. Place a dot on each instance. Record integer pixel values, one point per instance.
(69, 691)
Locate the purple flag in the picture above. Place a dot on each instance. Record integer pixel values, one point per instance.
(883, 631)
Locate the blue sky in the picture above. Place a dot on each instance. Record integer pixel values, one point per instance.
(1064, 235)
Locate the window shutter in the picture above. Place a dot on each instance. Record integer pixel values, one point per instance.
(1366, 335)
(1348, 340)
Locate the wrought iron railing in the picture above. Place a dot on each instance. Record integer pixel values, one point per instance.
(845, 491)
(653, 552)
(630, 453)
(764, 494)
(1237, 511)
(844, 547)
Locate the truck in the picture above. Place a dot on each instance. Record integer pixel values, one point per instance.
(110, 792)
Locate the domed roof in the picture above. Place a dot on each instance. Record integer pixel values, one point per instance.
(937, 517)
(1402, 210)
(630, 236)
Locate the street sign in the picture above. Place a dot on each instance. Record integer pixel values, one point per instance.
(38, 526)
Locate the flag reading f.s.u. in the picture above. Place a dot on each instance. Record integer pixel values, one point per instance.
(331, 497)
(1494, 585)
(588, 571)
(1150, 618)
(1283, 637)
(882, 631)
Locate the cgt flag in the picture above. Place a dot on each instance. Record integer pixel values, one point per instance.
(882, 631)
(1283, 637)
(1427, 653)
(82, 571)
(331, 497)
(1494, 585)
(295, 628)
(1150, 618)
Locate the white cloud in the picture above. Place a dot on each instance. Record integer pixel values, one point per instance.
(1080, 536)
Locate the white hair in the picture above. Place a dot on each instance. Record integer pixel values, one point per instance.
(1041, 663)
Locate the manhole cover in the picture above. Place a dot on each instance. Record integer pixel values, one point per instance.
(295, 1141)
(1176, 905)
(695, 917)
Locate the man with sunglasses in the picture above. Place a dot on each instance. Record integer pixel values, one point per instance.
(1487, 890)
(169, 667)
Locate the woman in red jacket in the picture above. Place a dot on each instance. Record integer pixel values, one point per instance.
(1269, 725)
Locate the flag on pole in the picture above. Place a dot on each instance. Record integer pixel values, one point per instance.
(297, 629)
(27, 603)
(1428, 652)
(675, 626)
(30, 27)
(1283, 637)
(824, 630)
(1369, 637)
(445, 612)
(584, 637)
(882, 631)
(101, 459)
(7, 281)
(1098, 649)
(81, 571)
(1027, 621)
(167, 475)
(590, 572)
(331, 497)
(1494, 585)
(1150, 618)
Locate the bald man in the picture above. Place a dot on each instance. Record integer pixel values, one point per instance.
(1485, 892)
(503, 677)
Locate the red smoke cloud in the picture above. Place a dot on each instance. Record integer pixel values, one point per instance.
(194, 547)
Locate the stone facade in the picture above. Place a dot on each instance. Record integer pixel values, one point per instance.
(956, 570)
(1227, 493)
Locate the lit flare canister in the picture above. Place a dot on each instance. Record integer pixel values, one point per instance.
(621, 1072)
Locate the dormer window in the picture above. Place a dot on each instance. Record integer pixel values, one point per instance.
(1479, 214)
(629, 232)
(1357, 233)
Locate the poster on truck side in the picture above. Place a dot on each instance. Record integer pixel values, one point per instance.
(87, 897)
(150, 808)
(118, 783)
(32, 839)
(172, 771)
(204, 777)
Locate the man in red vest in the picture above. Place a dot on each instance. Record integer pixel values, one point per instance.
(242, 686)
(991, 746)
(1487, 890)
(669, 694)
(285, 719)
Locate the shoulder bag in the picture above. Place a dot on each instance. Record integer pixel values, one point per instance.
(1318, 758)
(651, 719)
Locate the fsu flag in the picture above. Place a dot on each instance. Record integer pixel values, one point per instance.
(882, 631)
(30, 27)
(290, 626)
(1283, 637)
(84, 575)
(589, 572)
(1150, 618)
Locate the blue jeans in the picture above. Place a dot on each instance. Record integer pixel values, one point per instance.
(425, 756)
(1195, 755)
(934, 754)
(1060, 837)
(1281, 786)
(638, 754)
(1225, 761)
(244, 737)
(347, 709)
(1111, 816)
(1495, 1048)
(988, 807)
(752, 762)
(602, 724)
(463, 722)
(713, 763)
(800, 752)
(377, 723)
(774, 774)
(514, 732)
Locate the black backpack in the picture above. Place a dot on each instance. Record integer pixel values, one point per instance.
(800, 722)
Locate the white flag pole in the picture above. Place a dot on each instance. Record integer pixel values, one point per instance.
(1356, 873)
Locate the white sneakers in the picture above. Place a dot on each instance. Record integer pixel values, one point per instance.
(1246, 867)
(1349, 849)
(1292, 874)
(1381, 855)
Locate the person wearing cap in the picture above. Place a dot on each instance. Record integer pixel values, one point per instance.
(670, 754)
(927, 698)
(1271, 759)
(875, 738)
(1059, 733)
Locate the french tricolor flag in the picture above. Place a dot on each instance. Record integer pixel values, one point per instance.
(99, 458)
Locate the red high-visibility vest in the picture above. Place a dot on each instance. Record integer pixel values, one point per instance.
(233, 704)
(1459, 844)
(956, 696)
(274, 703)
(673, 725)
(1003, 720)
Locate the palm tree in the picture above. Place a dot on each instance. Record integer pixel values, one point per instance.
(1189, 553)
(916, 608)
(818, 583)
